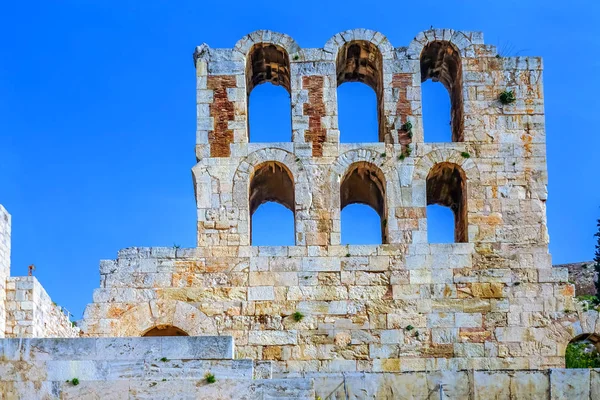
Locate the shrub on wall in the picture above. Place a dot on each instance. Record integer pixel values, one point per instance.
(582, 354)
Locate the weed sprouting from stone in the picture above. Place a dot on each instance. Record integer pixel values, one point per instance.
(210, 378)
(298, 316)
(507, 97)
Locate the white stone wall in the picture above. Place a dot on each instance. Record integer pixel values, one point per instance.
(31, 312)
(5, 221)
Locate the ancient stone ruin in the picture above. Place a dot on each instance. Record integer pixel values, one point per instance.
(485, 317)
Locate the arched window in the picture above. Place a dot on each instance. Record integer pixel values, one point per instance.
(360, 61)
(272, 182)
(165, 330)
(269, 107)
(440, 62)
(364, 183)
(447, 186)
(583, 352)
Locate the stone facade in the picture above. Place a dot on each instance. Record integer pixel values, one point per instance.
(486, 315)
(5, 230)
(490, 300)
(168, 367)
(31, 312)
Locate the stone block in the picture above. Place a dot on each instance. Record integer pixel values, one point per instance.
(266, 338)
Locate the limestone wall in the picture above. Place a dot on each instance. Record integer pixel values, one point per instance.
(472, 385)
(5, 231)
(31, 312)
(364, 308)
(176, 367)
(500, 149)
(135, 368)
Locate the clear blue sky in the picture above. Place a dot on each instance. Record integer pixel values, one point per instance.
(97, 115)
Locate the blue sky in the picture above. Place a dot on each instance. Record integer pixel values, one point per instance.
(97, 116)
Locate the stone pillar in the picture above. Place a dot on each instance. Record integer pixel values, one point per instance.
(4, 264)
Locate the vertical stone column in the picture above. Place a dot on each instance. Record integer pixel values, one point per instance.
(314, 103)
(4, 264)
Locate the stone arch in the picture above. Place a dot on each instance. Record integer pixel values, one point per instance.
(243, 46)
(337, 41)
(462, 40)
(425, 163)
(387, 166)
(469, 178)
(164, 313)
(344, 160)
(446, 185)
(364, 183)
(440, 61)
(302, 191)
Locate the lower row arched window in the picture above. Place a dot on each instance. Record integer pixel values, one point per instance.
(363, 206)
(165, 330)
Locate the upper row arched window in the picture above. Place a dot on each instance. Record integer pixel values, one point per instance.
(269, 106)
(359, 74)
(442, 115)
(362, 204)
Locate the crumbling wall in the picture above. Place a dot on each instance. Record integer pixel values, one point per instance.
(5, 221)
(31, 312)
(583, 276)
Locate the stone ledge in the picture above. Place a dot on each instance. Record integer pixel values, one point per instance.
(125, 348)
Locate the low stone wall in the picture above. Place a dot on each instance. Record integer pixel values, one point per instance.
(136, 368)
(383, 308)
(175, 367)
(5, 226)
(31, 312)
(477, 385)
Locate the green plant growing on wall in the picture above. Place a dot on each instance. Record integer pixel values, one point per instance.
(407, 127)
(507, 97)
(164, 359)
(298, 316)
(582, 354)
(588, 302)
(464, 154)
(74, 381)
(210, 378)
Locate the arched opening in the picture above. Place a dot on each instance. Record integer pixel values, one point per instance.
(360, 61)
(165, 330)
(364, 183)
(447, 186)
(267, 233)
(583, 352)
(440, 224)
(271, 182)
(269, 107)
(440, 62)
(361, 225)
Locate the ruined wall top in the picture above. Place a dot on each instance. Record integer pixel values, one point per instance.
(474, 74)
